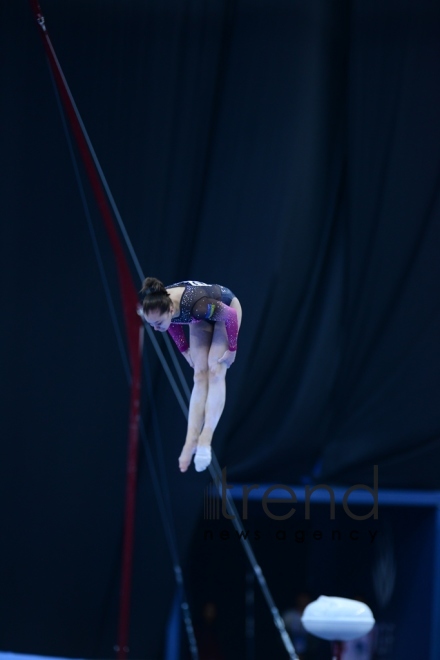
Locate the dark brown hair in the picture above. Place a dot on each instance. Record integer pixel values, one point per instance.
(155, 296)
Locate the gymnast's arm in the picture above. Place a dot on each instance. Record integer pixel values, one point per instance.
(178, 335)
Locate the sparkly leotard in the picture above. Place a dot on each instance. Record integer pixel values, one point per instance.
(204, 302)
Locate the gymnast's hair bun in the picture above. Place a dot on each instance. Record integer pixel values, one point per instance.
(153, 287)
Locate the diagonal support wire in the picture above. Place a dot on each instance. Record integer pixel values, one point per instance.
(216, 474)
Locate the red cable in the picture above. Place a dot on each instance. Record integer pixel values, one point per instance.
(130, 503)
(134, 329)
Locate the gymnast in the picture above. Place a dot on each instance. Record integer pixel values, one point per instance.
(214, 316)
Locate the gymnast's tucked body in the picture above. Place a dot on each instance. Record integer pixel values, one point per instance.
(214, 316)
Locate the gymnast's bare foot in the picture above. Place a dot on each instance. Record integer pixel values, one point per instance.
(185, 458)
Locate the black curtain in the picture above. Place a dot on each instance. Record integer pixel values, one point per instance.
(288, 150)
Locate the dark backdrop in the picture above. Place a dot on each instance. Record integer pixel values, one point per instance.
(289, 150)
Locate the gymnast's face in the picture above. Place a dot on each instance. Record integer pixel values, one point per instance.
(160, 321)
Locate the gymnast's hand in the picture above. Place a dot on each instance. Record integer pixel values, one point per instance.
(227, 358)
(187, 355)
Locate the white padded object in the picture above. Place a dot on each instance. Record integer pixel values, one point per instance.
(335, 618)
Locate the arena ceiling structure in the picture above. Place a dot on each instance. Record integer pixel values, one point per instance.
(289, 150)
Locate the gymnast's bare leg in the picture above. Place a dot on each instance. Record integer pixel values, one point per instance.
(209, 391)
(200, 337)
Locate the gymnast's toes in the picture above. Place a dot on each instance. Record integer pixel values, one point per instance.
(185, 457)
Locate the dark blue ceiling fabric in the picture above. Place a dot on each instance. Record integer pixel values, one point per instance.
(288, 150)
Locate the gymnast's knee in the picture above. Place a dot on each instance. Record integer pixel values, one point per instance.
(217, 371)
(200, 374)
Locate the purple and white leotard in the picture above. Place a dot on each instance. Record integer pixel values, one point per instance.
(204, 302)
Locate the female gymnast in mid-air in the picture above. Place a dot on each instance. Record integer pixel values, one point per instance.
(214, 316)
